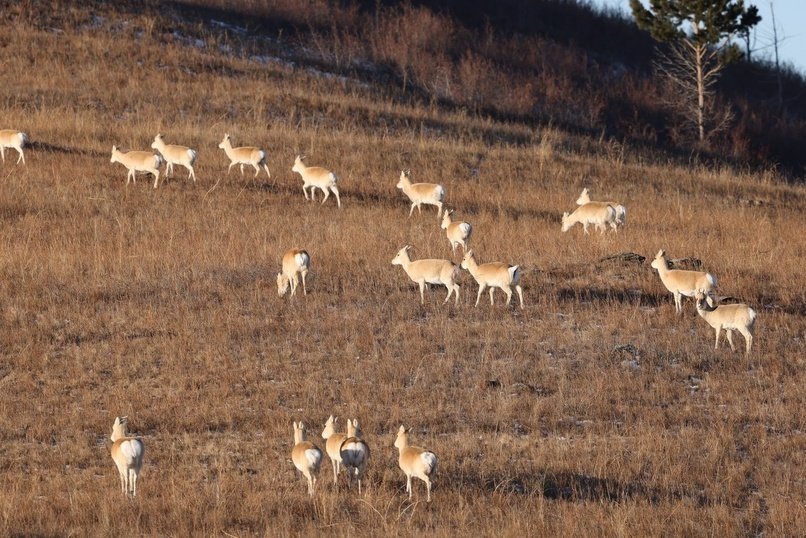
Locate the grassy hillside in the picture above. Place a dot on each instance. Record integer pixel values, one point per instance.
(596, 409)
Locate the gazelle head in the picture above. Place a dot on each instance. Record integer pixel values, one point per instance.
(466, 260)
(404, 179)
(157, 141)
(298, 166)
(119, 428)
(660, 260)
(114, 152)
(225, 141)
(566, 222)
(446, 218)
(583, 198)
(282, 284)
(402, 256)
(704, 300)
(330, 427)
(299, 432)
(402, 440)
(353, 429)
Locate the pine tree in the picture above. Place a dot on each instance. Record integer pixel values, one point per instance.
(696, 31)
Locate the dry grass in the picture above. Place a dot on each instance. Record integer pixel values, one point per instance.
(162, 305)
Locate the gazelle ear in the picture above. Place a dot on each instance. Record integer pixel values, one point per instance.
(401, 430)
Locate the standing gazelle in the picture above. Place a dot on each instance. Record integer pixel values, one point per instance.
(173, 154)
(424, 272)
(421, 193)
(127, 453)
(295, 261)
(681, 282)
(138, 161)
(10, 138)
(306, 456)
(494, 275)
(354, 452)
(458, 232)
(731, 317)
(253, 156)
(415, 461)
(333, 441)
(316, 177)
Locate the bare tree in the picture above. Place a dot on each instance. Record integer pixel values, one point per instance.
(697, 33)
(693, 69)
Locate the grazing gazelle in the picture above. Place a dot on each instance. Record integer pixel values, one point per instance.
(306, 456)
(621, 211)
(173, 154)
(354, 452)
(253, 156)
(494, 275)
(295, 262)
(731, 317)
(333, 441)
(415, 461)
(424, 272)
(681, 282)
(597, 213)
(127, 453)
(10, 138)
(138, 161)
(421, 193)
(458, 232)
(316, 177)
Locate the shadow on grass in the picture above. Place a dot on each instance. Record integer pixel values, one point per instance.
(577, 487)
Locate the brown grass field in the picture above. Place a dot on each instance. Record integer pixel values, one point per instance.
(596, 410)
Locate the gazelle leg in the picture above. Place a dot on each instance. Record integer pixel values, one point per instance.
(730, 339)
(481, 290)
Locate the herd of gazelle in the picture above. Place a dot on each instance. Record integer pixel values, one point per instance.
(350, 449)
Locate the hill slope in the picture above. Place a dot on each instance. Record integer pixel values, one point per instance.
(596, 409)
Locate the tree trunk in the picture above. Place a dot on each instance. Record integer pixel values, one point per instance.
(699, 58)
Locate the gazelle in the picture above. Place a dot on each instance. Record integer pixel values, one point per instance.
(127, 453)
(731, 317)
(175, 155)
(494, 275)
(421, 193)
(333, 441)
(316, 177)
(681, 282)
(458, 232)
(354, 452)
(597, 213)
(423, 272)
(415, 461)
(9, 138)
(621, 211)
(253, 156)
(295, 261)
(306, 456)
(138, 161)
